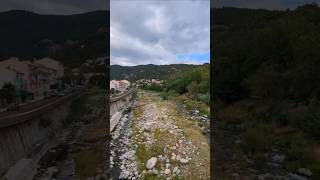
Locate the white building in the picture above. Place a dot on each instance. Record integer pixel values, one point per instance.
(53, 64)
(119, 86)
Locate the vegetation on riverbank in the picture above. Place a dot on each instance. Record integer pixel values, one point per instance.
(189, 87)
(265, 87)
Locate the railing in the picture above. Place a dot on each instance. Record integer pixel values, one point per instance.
(120, 96)
(14, 119)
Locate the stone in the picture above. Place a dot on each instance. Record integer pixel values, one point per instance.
(53, 169)
(278, 158)
(178, 157)
(155, 172)
(167, 165)
(296, 177)
(305, 172)
(167, 171)
(184, 161)
(124, 175)
(175, 169)
(151, 163)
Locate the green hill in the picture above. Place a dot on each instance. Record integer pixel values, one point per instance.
(149, 71)
(68, 38)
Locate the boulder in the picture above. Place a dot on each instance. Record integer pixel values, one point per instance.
(151, 163)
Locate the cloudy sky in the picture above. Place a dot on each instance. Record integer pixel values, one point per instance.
(54, 6)
(264, 4)
(159, 31)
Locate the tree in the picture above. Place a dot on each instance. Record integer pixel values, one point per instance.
(9, 92)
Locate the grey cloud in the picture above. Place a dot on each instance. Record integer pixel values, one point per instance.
(155, 32)
(261, 4)
(54, 6)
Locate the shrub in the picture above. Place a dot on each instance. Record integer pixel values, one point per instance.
(254, 141)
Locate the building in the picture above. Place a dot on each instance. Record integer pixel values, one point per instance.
(119, 86)
(15, 72)
(30, 76)
(53, 64)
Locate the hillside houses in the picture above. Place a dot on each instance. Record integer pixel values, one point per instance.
(148, 82)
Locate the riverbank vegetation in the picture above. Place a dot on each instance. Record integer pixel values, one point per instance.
(266, 90)
(190, 87)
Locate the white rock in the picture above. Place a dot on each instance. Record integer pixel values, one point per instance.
(167, 171)
(184, 161)
(175, 169)
(167, 165)
(151, 163)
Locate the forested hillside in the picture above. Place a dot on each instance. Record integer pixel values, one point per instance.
(266, 91)
(69, 38)
(149, 71)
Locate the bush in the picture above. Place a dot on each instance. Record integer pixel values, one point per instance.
(311, 124)
(254, 141)
(205, 98)
(164, 95)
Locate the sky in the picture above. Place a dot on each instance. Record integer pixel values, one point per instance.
(159, 32)
(262, 4)
(65, 7)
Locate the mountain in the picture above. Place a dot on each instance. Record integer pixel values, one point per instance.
(69, 38)
(150, 71)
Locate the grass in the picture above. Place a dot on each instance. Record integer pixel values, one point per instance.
(143, 156)
(88, 162)
(192, 104)
(153, 177)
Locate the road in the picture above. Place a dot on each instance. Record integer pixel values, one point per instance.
(27, 107)
(33, 109)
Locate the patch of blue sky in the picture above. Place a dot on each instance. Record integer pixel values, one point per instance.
(198, 58)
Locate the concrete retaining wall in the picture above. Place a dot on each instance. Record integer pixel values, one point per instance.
(117, 105)
(24, 139)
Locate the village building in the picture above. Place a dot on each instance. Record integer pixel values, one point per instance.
(33, 77)
(117, 87)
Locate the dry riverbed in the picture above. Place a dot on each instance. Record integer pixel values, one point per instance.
(161, 143)
(80, 150)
